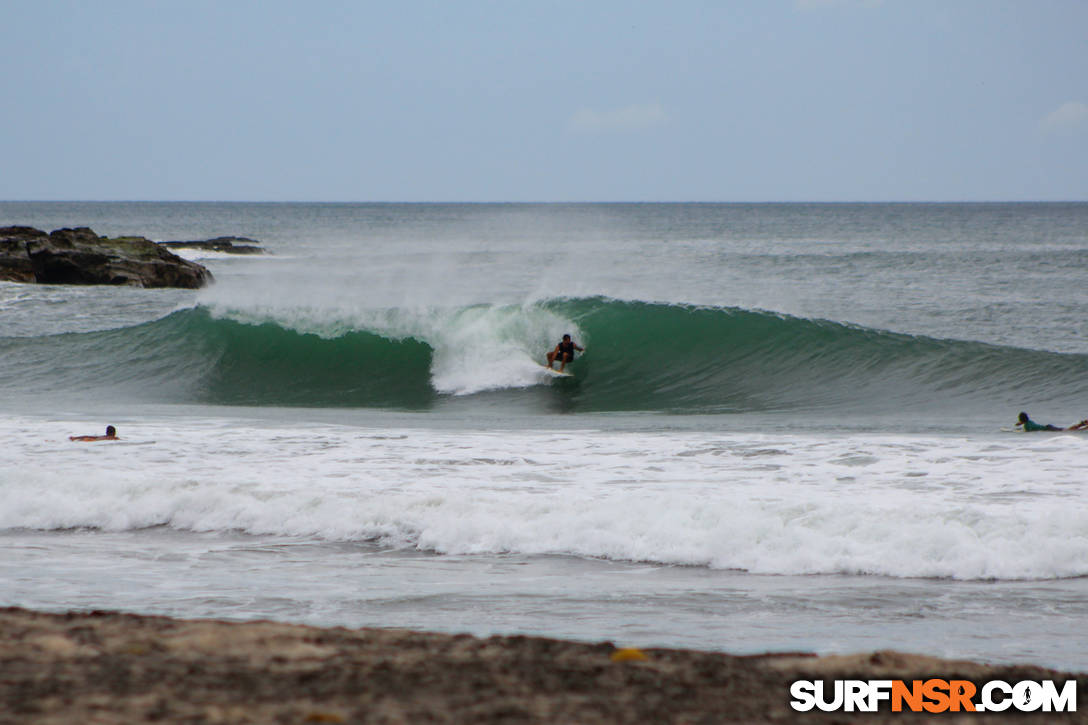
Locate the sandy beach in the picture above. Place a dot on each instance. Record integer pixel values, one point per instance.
(109, 667)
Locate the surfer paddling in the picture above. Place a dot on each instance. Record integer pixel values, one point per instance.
(1030, 426)
(563, 352)
(111, 435)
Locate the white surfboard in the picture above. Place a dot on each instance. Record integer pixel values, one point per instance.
(555, 373)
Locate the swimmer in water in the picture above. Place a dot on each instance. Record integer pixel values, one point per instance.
(111, 435)
(1030, 426)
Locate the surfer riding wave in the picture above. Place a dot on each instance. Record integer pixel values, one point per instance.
(563, 352)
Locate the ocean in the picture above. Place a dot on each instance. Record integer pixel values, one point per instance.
(791, 428)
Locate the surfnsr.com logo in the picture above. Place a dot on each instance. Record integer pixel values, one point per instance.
(933, 695)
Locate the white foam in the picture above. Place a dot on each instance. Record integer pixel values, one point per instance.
(196, 254)
(781, 504)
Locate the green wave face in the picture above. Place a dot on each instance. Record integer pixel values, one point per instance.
(266, 364)
(191, 357)
(640, 357)
(690, 359)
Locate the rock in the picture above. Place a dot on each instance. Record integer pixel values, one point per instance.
(227, 245)
(79, 256)
(15, 263)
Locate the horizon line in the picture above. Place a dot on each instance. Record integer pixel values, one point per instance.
(540, 202)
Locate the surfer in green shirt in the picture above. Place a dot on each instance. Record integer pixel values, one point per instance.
(1030, 426)
(563, 352)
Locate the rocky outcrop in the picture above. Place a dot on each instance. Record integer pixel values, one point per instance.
(108, 667)
(79, 256)
(15, 262)
(226, 245)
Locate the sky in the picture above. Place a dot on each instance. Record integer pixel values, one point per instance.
(557, 100)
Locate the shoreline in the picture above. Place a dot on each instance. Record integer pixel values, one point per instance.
(113, 667)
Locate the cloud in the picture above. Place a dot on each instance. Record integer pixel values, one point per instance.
(821, 4)
(1067, 116)
(631, 118)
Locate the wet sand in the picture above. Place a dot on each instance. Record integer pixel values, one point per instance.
(109, 667)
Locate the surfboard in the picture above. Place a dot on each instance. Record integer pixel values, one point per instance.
(555, 373)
